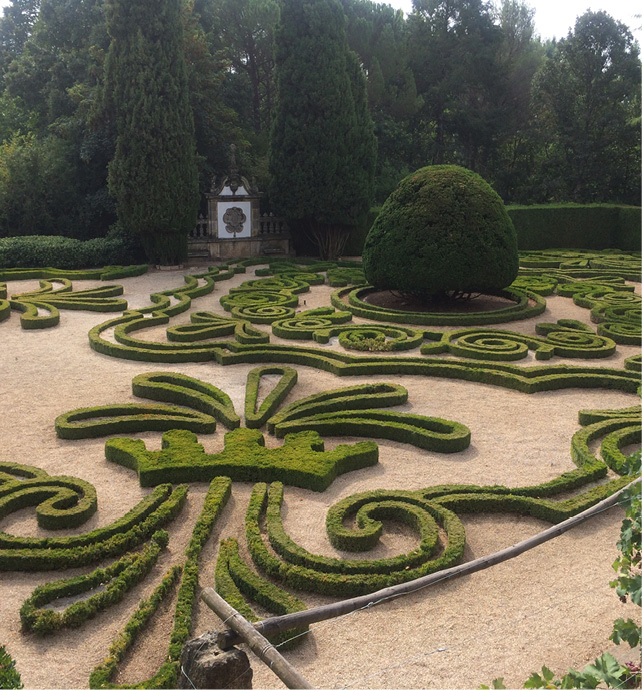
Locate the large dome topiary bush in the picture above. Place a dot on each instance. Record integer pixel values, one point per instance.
(443, 230)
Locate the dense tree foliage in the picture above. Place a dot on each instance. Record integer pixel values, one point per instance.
(323, 146)
(459, 82)
(153, 174)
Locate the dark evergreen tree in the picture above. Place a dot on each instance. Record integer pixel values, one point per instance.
(322, 140)
(153, 175)
(587, 101)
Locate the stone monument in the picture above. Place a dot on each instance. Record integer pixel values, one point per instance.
(234, 227)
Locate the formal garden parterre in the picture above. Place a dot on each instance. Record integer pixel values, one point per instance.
(220, 352)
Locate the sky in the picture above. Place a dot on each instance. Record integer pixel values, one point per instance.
(554, 18)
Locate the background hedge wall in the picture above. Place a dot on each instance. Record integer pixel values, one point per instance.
(550, 226)
(571, 226)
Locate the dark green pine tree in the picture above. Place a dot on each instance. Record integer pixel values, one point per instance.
(153, 175)
(323, 147)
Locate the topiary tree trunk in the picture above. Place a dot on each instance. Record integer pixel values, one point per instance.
(153, 175)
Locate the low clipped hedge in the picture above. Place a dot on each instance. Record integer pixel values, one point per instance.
(101, 675)
(205, 325)
(119, 578)
(136, 526)
(428, 433)
(566, 338)
(168, 386)
(9, 676)
(355, 301)
(207, 402)
(61, 502)
(235, 581)
(64, 252)
(341, 583)
(300, 461)
(256, 418)
(358, 397)
(92, 422)
(168, 674)
(524, 379)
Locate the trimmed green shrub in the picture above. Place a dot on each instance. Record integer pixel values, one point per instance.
(92, 422)
(566, 338)
(303, 326)
(256, 418)
(444, 229)
(101, 675)
(359, 397)
(64, 252)
(61, 502)
(51, 553)
(167, 675)
(234, 580)
(341, 583)
(428, 433)
(9, 676)
(208, 325)
(300, 461)
(355, 301)
(119, 578)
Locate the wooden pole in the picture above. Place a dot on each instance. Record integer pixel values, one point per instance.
(302, 618)
(255, 641)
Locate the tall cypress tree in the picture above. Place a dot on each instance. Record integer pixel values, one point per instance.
(322, 130)
(153, 175)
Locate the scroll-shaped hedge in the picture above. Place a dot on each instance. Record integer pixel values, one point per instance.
(235, 581)
(303, 326)
(61, 502)
(209, 404)
(566, 338)
(167, 386)
(136, 526)
(429, 433)
(616, 428)
(209, 325)
(118, 579)
(255, 418)
(349, 581)
(359, 397)
(92, 422)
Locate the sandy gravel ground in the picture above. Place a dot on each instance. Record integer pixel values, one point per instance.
(550, 606)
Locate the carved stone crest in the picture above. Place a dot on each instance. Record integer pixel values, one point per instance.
(234, 219)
